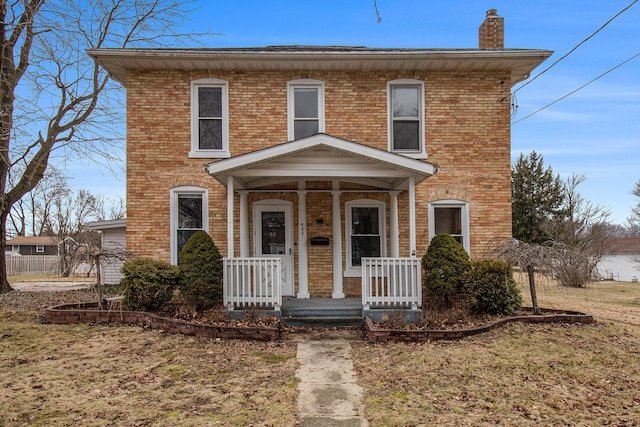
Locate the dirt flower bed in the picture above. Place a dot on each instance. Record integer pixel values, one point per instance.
(217, 316)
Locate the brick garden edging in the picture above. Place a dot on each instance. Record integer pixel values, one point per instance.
(68, 314)
(376, 334)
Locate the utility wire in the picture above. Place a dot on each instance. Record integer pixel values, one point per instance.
(576, 90)
(577, 46)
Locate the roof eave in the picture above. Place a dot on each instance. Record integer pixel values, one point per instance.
(519, 61)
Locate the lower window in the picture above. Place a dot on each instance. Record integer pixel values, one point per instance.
(365, 231)
(450, 217)
(188, 215)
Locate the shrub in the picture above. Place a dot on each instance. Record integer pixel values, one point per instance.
(492, 289)
(201, 269)
(148, 284)
(445, 265)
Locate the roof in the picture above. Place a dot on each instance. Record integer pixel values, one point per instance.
(321, 156)
(625, 246)
(34, 240)
(108, 224)
(520, 62)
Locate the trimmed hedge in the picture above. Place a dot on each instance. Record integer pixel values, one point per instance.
(445, 265)
(201, 271)
(491, 288)
(148, 284)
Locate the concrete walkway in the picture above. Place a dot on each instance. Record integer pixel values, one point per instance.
(328, 393)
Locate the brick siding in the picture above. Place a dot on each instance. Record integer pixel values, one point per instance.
(467, 135)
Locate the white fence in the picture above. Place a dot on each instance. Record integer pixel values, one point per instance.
(252, 282)
(32, 264)
(391, 282)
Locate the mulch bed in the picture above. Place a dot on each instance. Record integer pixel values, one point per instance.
(435, 326)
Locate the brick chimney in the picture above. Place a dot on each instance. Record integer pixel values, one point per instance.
(491, 32)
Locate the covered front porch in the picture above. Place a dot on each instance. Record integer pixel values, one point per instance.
(295, 215)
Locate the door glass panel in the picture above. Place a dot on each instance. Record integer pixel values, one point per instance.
(273, 233)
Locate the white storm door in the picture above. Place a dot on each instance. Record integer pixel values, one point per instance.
(273, 237)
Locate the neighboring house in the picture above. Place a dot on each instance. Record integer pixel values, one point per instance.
(38, 245)
(327, 170)
(622, 261)
(113, 242)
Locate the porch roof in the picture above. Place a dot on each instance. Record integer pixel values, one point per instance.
(321, 157)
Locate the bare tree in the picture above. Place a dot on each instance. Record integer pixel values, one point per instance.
(53, 98)
(581, 238)
(633, 220)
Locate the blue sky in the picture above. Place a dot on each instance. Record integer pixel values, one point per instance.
(595, 131)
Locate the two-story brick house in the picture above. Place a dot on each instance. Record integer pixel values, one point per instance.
(319, 157)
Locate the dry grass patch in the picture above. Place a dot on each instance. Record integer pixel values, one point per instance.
(521, 374)
(93, 375)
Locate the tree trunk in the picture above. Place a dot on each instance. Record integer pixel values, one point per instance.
(4, 282)
(532, 288)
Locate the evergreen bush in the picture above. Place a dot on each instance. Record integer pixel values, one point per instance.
(492, 289)
(148, 284)
(201, 270)
(445, 265)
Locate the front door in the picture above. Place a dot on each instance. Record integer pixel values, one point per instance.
(273, 236)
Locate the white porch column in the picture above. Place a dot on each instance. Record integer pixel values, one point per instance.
(412, 217)
(244, 224)
(230, 190)
(394, 239)
(336, 225)
(303, 274)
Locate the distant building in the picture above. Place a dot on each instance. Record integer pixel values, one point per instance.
(619, 263)
(113, 238)
(39, 245)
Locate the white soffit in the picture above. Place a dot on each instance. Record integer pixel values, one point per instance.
(321, 157)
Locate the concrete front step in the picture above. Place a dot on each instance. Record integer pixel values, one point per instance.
(302, 321)
(321, 311)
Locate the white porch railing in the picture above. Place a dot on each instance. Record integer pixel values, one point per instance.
(252, 282)
(391, 282)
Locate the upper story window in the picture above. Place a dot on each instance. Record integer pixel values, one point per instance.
(188, 214)
(365, 223)
(209, 118)
(450, 217)
(305, 99)
(406, 117)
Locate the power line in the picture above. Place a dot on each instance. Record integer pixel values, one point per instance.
(576, 90)
(577, 46)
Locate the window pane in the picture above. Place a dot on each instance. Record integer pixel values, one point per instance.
(405, 101)
(210, 134)
(303, 128)
(189, 211)
(364, 246)
(210, 102)
(448, 220)
(183, 238)
(406, 135)
(273, 233)
(306, 103)
(364, 221)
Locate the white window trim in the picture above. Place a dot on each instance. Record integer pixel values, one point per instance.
(356, 271)
(39, 249)
(464, 211)
(293, 84)
(422, 152)
(173, 215)
(196, 152)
